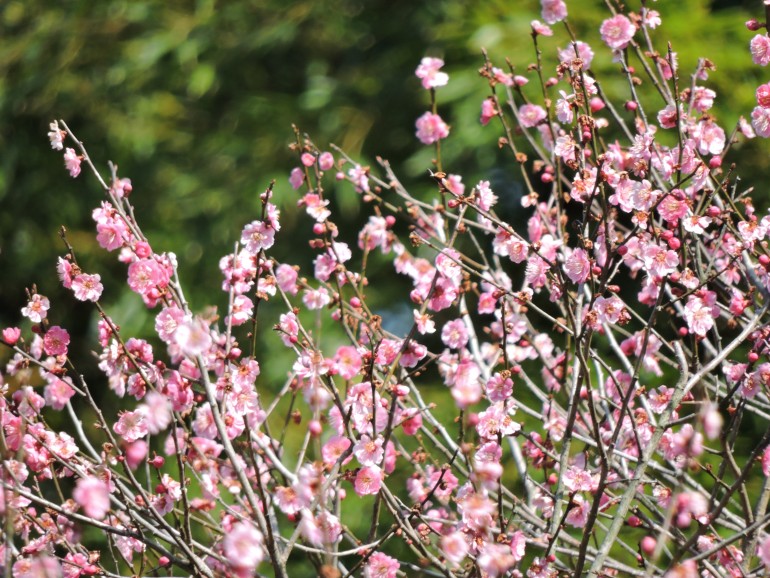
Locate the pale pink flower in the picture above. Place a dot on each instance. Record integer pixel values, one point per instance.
(746, 129)
(530, 115)
(455, 547)
(193, 337)
(368, 480)
(325, 161)
(11, 335)
(578, 514)
(243, 546)
(454, 334)
(333, 449)
(256, 236)
(37, 308)
(72, 162)
(763, 551)
(578, 480)
(424, 322)
(359, 176)
(296, 178)
(553, 11)
(495, 559)
(699, 315)
(540, 28)
(617, 32)
(431, 128)
(131, 426)
(518, 545)
(56, 136)
(369, 452)
(578, 266)
(381, 565)
(93, 495)
(87, 287)
(760, 49)
(651, 18)
(429, 71)
(760, 121)
(577, 49)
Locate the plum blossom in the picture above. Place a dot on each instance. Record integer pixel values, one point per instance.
(368, 480)
(56, 340)
(617, 32)
(87, 287)
(553, 11)
(243, 546)
(530, 115)
(429, 71)
(760, 49)
(431, 128)
(381, 565)
(37, 308)
(56, 136)
(93, 495)
(72, 162)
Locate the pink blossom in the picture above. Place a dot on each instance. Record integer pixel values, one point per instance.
(37, 308)
(325, 161)
(359, 176)
(369, 452)
(257, 236)
(131, 426)
(495, 559)
(760, 49)
(540, 28)
(454, 334)
(578, 266)
(56, 340)
(488, 111)
(334, 448)
(243, 546)
(760, 121)
(72, 162)
(455, 547)
(431, 128)
(381, 565)
(56, 136)
(617, 32)
(429, 72)
(368, 480)
(577, 49)
(578, 480)
(146, 275)
(518, 545)
(193, 337)
(296, 178)
(530, 115)
(57, 393)
(578, 514)
(553, 11)
(93, 495)
(87, 287)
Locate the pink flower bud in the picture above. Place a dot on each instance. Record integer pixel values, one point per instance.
(307, 159)
(753, 356)
(753, 24)
(315, 428)
(683, 332)
(715, 162)
(355, 302)
(142, 249)
(714, 211)
(648, 544)
(634, 521)
(631, 106)
(11, 335)
(596, 104)
(163, 561)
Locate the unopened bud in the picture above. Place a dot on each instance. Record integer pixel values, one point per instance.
(753, 24)
(631, 106)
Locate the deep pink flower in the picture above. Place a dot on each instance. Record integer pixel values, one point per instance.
(56, 340)
(617, 32)
(11, 335)
(431, 128)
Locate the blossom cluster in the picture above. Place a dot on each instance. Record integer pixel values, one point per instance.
(568, 398)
